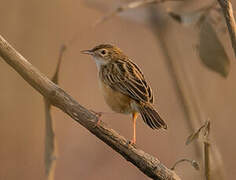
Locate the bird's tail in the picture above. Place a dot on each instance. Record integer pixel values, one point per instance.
(151, 117)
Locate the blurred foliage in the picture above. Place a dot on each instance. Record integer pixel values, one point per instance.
(201, 132)
(211, 51)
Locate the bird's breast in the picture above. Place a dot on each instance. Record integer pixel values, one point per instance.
(117, 101)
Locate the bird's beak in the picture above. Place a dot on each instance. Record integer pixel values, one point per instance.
(89, 52)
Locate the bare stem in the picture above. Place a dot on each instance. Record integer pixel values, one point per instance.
(50, 153)
(206, 152)
(207, 160)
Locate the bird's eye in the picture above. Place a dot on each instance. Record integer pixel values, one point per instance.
(103, 52)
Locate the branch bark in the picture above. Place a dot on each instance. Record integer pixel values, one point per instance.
(146, 163)
(229, 18)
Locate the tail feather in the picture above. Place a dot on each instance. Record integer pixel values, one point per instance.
(151, 117)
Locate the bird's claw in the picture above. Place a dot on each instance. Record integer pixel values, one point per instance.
(132, 143)
(98, 115)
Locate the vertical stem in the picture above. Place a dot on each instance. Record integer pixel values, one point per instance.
(206, 152)
(206, 160)
(50, 140)
(50, 152)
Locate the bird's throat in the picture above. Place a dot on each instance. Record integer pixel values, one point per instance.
(100, 62)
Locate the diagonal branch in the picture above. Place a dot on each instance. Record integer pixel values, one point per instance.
(229, 18)
(146, 163)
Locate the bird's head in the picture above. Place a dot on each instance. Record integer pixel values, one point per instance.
(104, 53)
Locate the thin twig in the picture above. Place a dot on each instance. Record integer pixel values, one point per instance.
(229, 18)
(146, 163)
(192, 162)
(61, 53)
(50, 153)
(206, 151)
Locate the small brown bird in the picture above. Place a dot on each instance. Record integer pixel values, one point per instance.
(124, 87)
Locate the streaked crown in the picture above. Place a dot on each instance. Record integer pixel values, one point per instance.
(105, 52)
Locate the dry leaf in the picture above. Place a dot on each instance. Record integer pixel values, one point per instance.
(211, 51)
(203, 131)
(192, 18)
(195, 165)
(192, 137)
(206, 129)
(186, 19)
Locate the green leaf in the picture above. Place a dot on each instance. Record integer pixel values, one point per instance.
(211, 50)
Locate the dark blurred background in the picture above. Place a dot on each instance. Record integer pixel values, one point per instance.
(38, 29)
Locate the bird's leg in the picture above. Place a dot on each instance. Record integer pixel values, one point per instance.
(134, 117)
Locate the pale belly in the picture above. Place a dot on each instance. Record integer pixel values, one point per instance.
(116, 101)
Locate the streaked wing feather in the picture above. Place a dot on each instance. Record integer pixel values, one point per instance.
(127, 78)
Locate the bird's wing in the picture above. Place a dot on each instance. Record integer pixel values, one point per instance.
(125, 76)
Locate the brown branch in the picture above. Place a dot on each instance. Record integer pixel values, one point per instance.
(229, 18)
(148, 164)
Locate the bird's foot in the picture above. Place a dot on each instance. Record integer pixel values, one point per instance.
(98, 115)
(132, 143)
